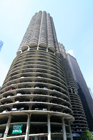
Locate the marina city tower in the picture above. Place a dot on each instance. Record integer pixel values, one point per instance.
(35, 99)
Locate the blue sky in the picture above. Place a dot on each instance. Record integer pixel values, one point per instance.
(73, 21)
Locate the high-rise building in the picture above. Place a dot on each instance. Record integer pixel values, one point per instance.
(91, 93)
(83, 90)
(80, 123)
(35, 98)
(1, 44)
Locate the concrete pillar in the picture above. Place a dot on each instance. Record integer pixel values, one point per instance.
(27, 128)
(36, 138)
(49, 128)
(37, 47)
(30, 106)
(64, 130)
(7, 128)
(39, 138)
(28, 48)
(48, 108)
(46, 49)
(70, 131)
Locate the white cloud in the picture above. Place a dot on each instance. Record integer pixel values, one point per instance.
(71, 52)
(3, 71)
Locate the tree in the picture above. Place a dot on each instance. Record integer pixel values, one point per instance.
(87, 135)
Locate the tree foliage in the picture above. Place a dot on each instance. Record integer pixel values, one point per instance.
(87, 135)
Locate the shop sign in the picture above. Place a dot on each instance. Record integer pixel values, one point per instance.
(17, 129)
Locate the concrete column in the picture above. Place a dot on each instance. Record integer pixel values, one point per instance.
(28, 48)
(48, 108)
(36, 138)
(64, 130)
(30, 106)
(27, 128)
(70, 131)
(49, 128)
(39, 138)
(37, 47)
(46, 49)
(7, 128)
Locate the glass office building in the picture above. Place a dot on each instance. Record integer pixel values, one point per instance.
(83, 90)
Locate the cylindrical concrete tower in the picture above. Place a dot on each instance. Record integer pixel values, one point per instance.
(40, 33)
(34, 99)
(80, 124)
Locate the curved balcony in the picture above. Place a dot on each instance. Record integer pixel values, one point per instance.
(80, 123)
(27, 68)
(19, 52)
(37, 75)
(35, 87)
